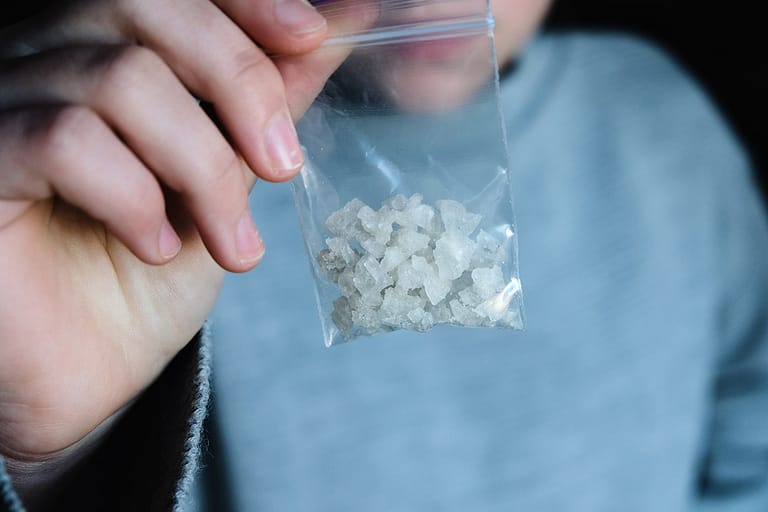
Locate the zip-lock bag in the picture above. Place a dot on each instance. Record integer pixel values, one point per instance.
(404, 201)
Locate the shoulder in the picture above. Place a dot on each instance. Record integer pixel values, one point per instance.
(626, 72)
(613, 51)
(620, 122)
(633, 95)
(607, 58)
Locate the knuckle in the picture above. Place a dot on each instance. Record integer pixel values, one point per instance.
(59, 140)
(225, 170)
(252, 68)
(127, 68)
(221, 176)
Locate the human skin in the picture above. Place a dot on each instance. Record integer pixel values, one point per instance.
(121, 203)
(442, 74)
(516, 22)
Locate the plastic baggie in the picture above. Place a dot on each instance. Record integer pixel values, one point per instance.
(404, 201)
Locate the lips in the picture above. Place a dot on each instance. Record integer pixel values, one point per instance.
(447, 48)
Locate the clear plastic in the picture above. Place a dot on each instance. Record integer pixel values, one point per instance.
(404, 201)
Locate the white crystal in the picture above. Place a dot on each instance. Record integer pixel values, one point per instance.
(344, 222)
(421, 265)
(424, 217)
(441, 313)
(488, 251)
(346, 283)
(487, 282)
(380, 226)
(453, 254)
(407, 277)
(414, 201)
(340, 247)
(396, 306)
(372, 247)
(408, 265)
(463, 315)
(369, 275)
(393, 256)
(435, 287)
(470, 298)
(456, 218)
(492, 310)
(331, 264)
(368, 319)
(397, 202)
(419, 216)
(410, 241)
(342, 314)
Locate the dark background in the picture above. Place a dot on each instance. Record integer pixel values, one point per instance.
(717, 42)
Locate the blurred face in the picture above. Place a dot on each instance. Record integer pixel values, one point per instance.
(516, 22)
(441, 74)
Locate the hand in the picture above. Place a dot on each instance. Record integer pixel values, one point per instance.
(120, 199)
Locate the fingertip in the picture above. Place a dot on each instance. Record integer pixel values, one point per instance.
(299, 17)
(250, 246)
(283, 149)
(169, 243)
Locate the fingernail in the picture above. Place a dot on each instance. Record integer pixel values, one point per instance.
(283, 145)
(298, 16)
(250, 246)
(169, 242)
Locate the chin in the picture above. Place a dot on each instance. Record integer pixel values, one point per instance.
(432, 90)
(419, 84)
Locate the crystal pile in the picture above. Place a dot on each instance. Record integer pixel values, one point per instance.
(409, 265)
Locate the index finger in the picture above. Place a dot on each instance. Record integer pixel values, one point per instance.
(305, 75)
(285, 26)
(213, 57)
